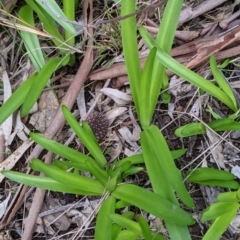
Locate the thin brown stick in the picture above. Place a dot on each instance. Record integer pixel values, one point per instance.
(58, 121)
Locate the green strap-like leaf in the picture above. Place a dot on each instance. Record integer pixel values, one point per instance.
(52, 8)
(164, 40)
(222, 82)
(144, 199)
(39, 83)
(103, 230)
(86, 136)
(126, 223)
(97, 172)
(146, 231)
(146, 92)
(62, 150)
(227, 197)
(126, 234)
(30, 40)
(48, 23)
(130, 50)
(17, 99)
(221, 224)
(69, 179)
(205, 173)
(218, 183)
(152, 139)
(116, 229)
(190, 129)
(44, 183)
(217, 209)
(186, 73)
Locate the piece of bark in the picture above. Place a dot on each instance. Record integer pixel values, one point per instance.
(184, 54)
(224, 23)
(206, 49)
(190, 13)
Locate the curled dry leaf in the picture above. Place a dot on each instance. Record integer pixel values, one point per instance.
(114, 113)
(198, 104)
(116, 147)
(127, 136)
(117, 96)
(234, 225)
(19, 129)
(4, 204)
(9, 163)
(7, 125)
(177, 87)
(136, 128)
(60, 220)
(216, 150)
(236, 171)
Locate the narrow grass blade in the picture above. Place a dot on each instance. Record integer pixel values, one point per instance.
(48, 23)
(144, 200)
(138, 158)
(130, 49)
(30, 40)
(17, 99)
(39, 83)
(186, 73)
(167, 30)
(44, 183)
(69, 11)
(52, 8)
(66, 178)
(222, 82)
(87, 137)
(62, 150)
(145, 91)
(104, 224)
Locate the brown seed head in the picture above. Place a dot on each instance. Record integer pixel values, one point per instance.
(99, 124)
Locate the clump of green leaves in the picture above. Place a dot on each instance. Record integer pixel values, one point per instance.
(109, 180)
(50, 15)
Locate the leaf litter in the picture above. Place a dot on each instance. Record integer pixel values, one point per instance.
(200, 27)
